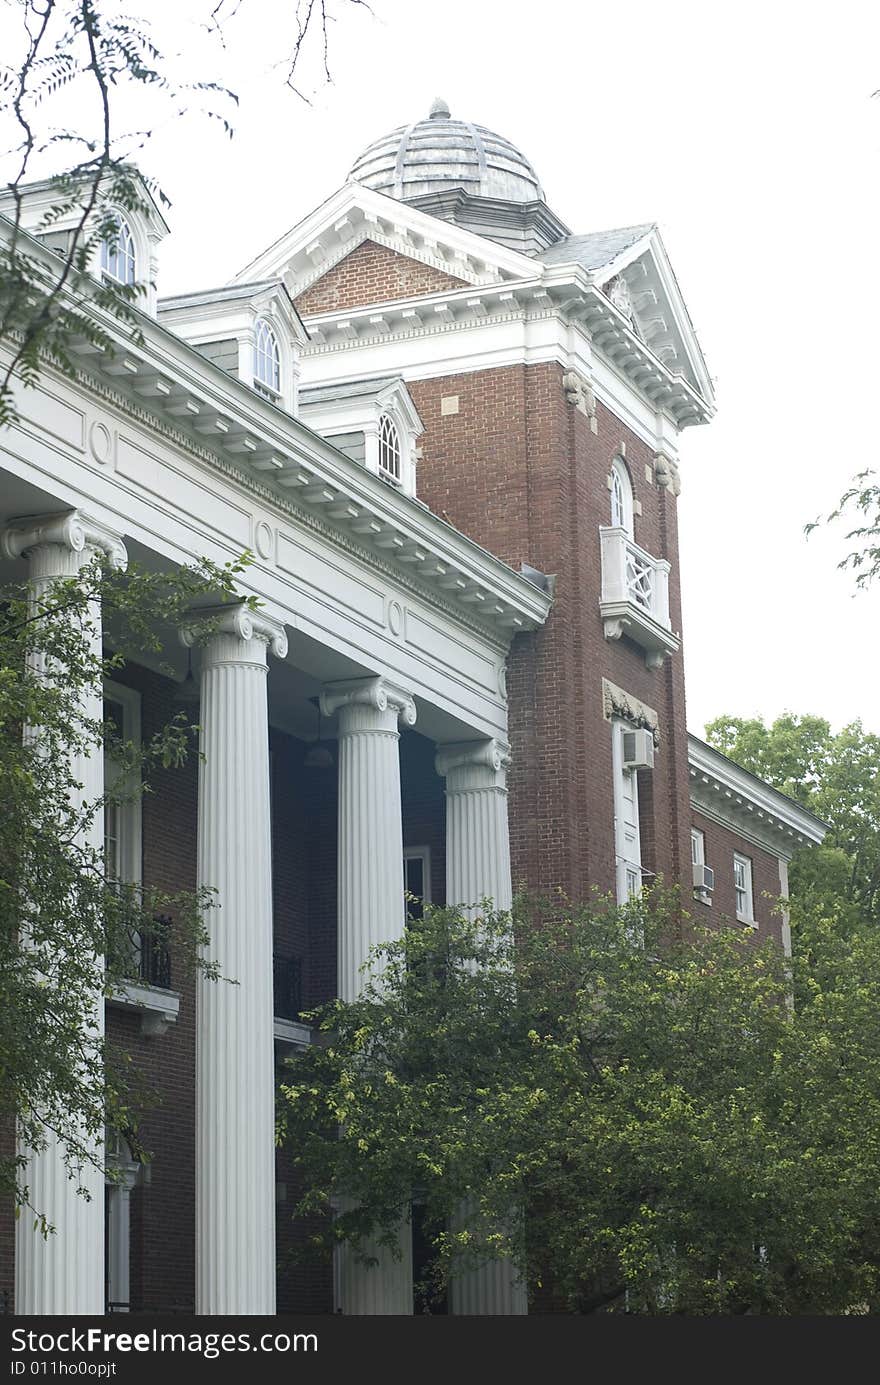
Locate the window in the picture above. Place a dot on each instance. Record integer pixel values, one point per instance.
(417, 879)
(267, 360)
(621, 497)
(704, 879)
(627, 842)
(122, 808)
(117, 252)
(742, 884)
(389, 448)
(124, 1171)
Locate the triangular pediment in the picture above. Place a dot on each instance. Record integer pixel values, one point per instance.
(640, 321)
(355, 215)
(640, 282)
(371, 273)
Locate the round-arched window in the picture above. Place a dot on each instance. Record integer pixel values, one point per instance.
(267, 359)
(621, 497)
(118, 260)
(389, 448)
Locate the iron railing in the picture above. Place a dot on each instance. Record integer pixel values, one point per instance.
(287, 987)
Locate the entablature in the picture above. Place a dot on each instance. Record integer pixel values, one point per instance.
(568, 298)
(202, 406)
(730, 795)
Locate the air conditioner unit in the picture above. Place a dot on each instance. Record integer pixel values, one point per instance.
(638, 749)
(704, 877)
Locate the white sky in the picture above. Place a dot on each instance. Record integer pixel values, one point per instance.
(749, 133)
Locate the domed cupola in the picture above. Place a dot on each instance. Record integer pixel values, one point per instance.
(464, 173)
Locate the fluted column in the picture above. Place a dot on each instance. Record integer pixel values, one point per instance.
(64, 1272)
(477, 868)
(235, 1098)
(370, 911)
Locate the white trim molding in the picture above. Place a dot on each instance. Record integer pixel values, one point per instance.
(733, 797)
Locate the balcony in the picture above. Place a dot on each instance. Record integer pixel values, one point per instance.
(635, 596)
(148, 993)
(290, 1032)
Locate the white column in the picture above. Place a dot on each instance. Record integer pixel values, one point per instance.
(64, 1272)
(477, 868)
(370, 911)
(119, 1235)
(235, 1097)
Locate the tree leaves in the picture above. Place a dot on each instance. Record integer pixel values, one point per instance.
(644, 1129)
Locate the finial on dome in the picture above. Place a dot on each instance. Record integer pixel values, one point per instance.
(439, 110)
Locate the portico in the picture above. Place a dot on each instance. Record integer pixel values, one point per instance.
(372, 612)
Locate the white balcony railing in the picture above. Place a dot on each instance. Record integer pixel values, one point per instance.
(635, 596)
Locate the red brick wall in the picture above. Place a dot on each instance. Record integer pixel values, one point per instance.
(372, 274)
(721, 843)
(163, 1207)
(519, 470)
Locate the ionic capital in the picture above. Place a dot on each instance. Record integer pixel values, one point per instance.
(71, 530)
(378, 693)
(485, 763)
(239, 621)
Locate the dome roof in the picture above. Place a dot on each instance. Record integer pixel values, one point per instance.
(439, 154)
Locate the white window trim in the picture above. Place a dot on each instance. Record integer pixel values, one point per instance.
(130, 812)
(698, 858)
(747, 916)
(698, 841)
(625, 521)
(275, 393)
(395, 443)
(118, 1191)
(626, 861)
(422, 853)
(123, 223)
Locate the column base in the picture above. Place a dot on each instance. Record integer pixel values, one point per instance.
(383, 1289)
(491, 1290)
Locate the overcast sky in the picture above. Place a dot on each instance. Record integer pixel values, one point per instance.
(749, 133)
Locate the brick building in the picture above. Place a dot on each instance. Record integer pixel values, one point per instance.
(448, 430)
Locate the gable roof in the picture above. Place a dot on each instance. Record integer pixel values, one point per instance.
(645, 310)
(356, 213)
(596, 249)
(750, 806)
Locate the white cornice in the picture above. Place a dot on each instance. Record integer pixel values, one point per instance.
(356, 213)
(563, 294)
(747, 805)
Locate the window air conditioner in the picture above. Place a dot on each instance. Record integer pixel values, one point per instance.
(704, 877)
(638, 749)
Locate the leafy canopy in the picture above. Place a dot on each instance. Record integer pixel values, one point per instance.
(635, 1115)
(836, 776)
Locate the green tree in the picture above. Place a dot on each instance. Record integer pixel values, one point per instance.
(636, 1114)
(67, 932)
(862, 499)
(104, 60)
(836, 776)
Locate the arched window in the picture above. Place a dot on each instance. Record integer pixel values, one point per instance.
(267, 359)
(389, 448)
(621, 497)
(118, 259)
